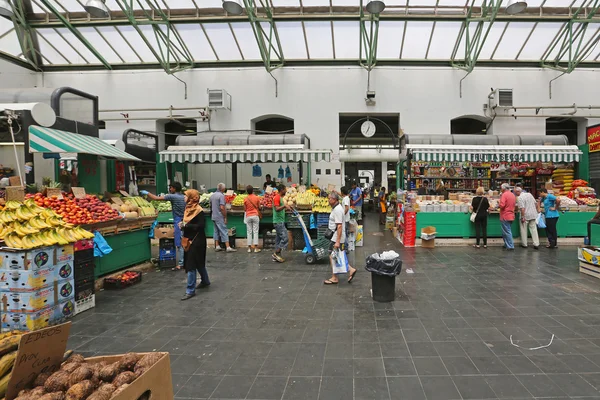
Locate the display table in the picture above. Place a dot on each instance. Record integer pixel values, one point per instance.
(129, 248)
(235, 219)
(458, 225)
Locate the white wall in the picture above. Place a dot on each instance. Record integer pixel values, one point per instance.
(427, 98)
(13, 76)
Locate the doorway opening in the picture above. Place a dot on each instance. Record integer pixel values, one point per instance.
(273, 124)
(562, 126)
(470, 125)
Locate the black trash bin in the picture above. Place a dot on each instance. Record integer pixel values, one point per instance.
(383, 277)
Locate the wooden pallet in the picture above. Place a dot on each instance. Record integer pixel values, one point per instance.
(589, 269)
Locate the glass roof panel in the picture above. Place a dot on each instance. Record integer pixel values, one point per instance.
(292, 40)
(390, 39)
(444, 38)
(196, 42)
(315, 3)
(62, 46)
(590, 32)
(112, 5)
(68, 5)
(417, 38)
(111, 34)
(222, 40)
(590, 35)
(9, 42)
(80, 48)
(355, 3)
(136, 41)
(50, 53)
(286, 3)
(539, 41)
(492, 39)
(513, 40)
(347, 38)
(247, 41)
(96, 40)
(319, 39)
(563, 3)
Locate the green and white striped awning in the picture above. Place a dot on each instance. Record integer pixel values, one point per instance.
(243, 154)
(494, 154)
(46, 140)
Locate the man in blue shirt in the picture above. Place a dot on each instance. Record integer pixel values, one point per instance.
(551, 204)
(177, 200)
(356, 200)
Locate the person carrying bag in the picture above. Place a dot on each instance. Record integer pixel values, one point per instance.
(480, 217)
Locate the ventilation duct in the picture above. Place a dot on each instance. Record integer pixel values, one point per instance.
(211, 139)
(489, 140)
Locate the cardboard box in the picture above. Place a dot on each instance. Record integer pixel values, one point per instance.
(18, 280)
(85, 304)
(38, 299)
(27, 260)
(164, 233)
(29, 321)
(428, 244)
(156, 380)
(428, 233)
(589, 254)
(360, 234)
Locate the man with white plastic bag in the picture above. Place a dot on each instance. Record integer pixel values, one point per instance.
(528, 208)
(336, 233)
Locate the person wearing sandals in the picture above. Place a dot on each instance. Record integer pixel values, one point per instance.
(194, 260)
(528, 210)
(337, 226)
(551, 205)
(177, 200)
(480, 206)
(253, 215)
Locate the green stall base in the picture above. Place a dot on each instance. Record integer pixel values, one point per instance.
(233, 221)
(595, 236)
(165, 218)
(129, 248)
(458, 225)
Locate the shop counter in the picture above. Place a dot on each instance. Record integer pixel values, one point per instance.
(458, 225)
(129, 248)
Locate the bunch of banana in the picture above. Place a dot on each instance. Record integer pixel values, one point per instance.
(82, 233)
(48, 213)
(321, 205)
(9, 345)
(12, 205)
(39, 223)
(24, 213)
(32, 205)
(305, 199)
(7, 216)
(4, 230)
(23, 230)
(13, 240)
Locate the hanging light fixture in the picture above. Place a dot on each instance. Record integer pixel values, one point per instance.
(375, 6)
(97, 8)
(516, 7)
(233, 7)
(5, 9)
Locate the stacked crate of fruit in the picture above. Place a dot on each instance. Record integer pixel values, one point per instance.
(83, 265)
(36, 287)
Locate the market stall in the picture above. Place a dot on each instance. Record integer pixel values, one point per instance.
(463, 168)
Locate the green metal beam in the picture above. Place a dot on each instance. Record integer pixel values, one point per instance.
(269, 45)
(40, 20)
(475, 41)
(16, 61)
(173, 55)
(25, 34)
(75, 31)
(319, 62)
(369, 36)
(570, 39)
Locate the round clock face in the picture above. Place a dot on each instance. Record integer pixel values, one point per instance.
(367, 129)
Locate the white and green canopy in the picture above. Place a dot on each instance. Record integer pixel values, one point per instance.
(556, 154)
(46, 140)
(243, 154)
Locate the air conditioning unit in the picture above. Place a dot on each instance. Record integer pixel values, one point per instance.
(502, 98)
(218, 99)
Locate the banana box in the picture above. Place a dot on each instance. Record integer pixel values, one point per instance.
(39, 299)
(64, 254)
(589, 254)
(18, 280)
(30, 321)
(27, 260)
(64, 271)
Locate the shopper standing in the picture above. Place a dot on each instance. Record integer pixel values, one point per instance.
(480, 205)
(336, 225)
(424, 189)
(253, 216)
(507, 216)
(219, 218)
(382, 205)
(269, 182)
(177, 200)
(195, 255)
(356, 200)
(346, 206)
(528, 210)
(551, 204)
(281, 238)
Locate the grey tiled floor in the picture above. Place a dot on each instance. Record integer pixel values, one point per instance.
(271, 331)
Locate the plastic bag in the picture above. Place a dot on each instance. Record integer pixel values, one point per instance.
(151, 233)
(540, 221)
(379, 266)
(280, 172)
(339, 262)
(101, 247)
(257, 171)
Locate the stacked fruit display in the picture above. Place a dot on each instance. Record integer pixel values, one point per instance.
(27, 226)
(87, 210)
(162, 206)
(305, 199)
(290, 196)
(239, 200)
(205, 200)
(141, 206)
(267, 200)
(79, 379)
(229, 198)
(321, 205)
